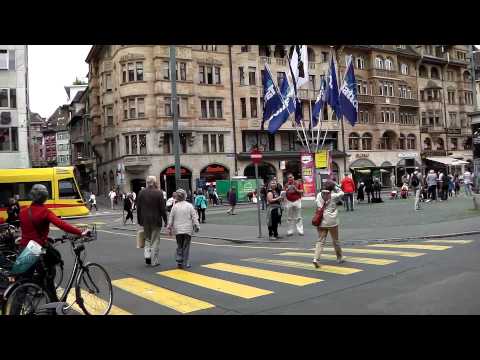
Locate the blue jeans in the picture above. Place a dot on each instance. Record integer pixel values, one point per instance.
(348, 197)
(468, 189)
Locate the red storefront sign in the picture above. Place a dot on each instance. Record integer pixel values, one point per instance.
(308, 174)
(215, 169)
(171, 171)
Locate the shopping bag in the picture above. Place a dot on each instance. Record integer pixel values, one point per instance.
(27, 258)
(140, 239)
(254, 200)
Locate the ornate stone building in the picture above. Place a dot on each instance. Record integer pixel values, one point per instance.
(220, 101)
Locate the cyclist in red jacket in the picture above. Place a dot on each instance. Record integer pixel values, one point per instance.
(35, 225)
(348, 187)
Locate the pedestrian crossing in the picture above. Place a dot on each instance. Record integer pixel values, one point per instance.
(176, 290)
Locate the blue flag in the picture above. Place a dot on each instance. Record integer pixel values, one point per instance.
(348, 95)
(272, 99)
(288, 107)
(331, 95)
(319, 103)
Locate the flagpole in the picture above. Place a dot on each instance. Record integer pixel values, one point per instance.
(341, 121)
(311, 117)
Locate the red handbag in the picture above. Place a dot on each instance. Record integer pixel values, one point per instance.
(318, 216)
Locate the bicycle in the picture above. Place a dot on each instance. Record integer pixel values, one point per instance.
(90, 279)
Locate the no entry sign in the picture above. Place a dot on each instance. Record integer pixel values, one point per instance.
(256, 156)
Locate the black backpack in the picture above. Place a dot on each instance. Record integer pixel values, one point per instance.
(415, 181)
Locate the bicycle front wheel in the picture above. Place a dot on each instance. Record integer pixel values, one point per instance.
(26, 299)
(93, 290)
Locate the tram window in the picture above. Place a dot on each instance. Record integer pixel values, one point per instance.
(9, 190)
(67, 189)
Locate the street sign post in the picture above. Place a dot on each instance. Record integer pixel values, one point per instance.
(256, 157)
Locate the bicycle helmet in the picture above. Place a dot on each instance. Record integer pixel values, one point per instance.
(39, 193)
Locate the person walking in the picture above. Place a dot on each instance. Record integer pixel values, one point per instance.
(416, 181)
(392, 181)
(183, 221)
(377, 187)
(442, 181)
(93, 201)
(467, 182)
(216, 201)
(112, 196)
(150, 213)
(361, 192)
(201, 206)
(369, 189)
(273, 214)
(293, 204)
(232, 200)
(456, 184)
(348, 188)
(432, 185)
(327, 199)
(128, 207)
(263, 196)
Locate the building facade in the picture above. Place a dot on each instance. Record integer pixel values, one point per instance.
(81, 154)
(36, 140)
(220, 102)
(14, 106)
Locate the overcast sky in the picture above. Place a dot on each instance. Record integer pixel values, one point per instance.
(50, 68)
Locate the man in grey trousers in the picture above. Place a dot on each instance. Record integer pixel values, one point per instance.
(150, 212)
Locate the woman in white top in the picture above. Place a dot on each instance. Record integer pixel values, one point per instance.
(329, 224)
(183, 220)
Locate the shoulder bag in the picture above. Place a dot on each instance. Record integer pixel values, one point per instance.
(318, 216)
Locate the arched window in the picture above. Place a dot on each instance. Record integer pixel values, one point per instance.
(354, 141)
(440, 144)
(388, 64)
(422, 71)
(387, 140)
(466, 76)
(434, 73)
(467, 145)
(379, 62)
(310, 54)
(411, 142)
(427, 144)
(404, 69)
(279, 52)
(367, 141)
(264, 50)
(401, 142)
(360, 62)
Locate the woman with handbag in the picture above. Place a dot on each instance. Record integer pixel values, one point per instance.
(274, 207)
(201, 205)
(326, 220)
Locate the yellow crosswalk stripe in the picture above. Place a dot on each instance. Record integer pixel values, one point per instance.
(224, 286)
(115, 310)
(178, 302)
(306, 266)
(285, 278)
(412, 246)
(377, 252)
(360, 260)
(450, 241)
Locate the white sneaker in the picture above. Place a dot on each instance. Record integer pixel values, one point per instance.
(341, 260)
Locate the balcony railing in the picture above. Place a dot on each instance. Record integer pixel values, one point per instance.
(387, 100)
(137, 160)
(384, 73)
(265, 59)
(281, 62)
(369, 99)
(408, 102)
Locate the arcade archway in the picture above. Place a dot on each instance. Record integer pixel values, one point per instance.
(167, 179)
(266, 171)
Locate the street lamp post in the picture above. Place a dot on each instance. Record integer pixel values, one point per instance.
(176, 137)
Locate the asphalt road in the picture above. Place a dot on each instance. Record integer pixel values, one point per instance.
(225, 278)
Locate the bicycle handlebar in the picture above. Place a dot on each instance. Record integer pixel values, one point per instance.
(75, 238)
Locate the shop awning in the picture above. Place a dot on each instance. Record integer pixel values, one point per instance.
(447, 160)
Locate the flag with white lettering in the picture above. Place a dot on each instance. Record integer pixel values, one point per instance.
(332, 90)
(273, 101)
(319, 103)
(348, 95)
(288, 107)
